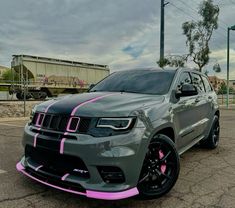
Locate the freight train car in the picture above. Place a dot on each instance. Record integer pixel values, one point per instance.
(41, 77)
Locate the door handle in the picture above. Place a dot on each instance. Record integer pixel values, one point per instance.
(197, 100)
(209, 97)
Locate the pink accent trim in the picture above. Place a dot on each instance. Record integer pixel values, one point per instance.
(35, 140)
(50, 106)
(163, 167)
(64, 177)
(89, 101)
(62, 146)
(39, 116)
(112, 195)
(161, 155)
(69, 123)
(90, 194)
(20, 168)
(36, 169)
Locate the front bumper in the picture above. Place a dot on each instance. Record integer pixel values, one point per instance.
(126, 152)
(89, 194)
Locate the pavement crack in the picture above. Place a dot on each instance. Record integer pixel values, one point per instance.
(7, 135)
(22, 197)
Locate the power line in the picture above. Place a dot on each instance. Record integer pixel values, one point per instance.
(193, 18)
(188, 6)
(180, 9)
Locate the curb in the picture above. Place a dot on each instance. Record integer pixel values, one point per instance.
(14, 119)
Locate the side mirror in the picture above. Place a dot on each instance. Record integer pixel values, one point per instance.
(187, 90)
(90, 87)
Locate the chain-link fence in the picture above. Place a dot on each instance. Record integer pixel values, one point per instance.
(222, 99)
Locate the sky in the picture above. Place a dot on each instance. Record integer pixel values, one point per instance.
(123, 34)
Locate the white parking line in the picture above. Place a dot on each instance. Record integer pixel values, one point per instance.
(2, 171)
(5, 124)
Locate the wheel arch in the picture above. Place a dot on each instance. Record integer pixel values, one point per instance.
(167, 130)
(217, 113)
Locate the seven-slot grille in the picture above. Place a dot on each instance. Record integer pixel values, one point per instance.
(58, 122)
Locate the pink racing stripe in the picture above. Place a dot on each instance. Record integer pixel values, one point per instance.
(64, 177)
(62, 146)
(35, 140)
(36, 169)
(89, 101)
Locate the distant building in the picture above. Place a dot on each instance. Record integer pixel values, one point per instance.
(2, 70)
(216, 82)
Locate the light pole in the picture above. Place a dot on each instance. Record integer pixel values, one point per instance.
(228, 50)
(162, 32)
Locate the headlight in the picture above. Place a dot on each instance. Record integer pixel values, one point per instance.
(115, 123)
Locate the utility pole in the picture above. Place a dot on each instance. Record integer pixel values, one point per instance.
(162, 33)
(228, 54)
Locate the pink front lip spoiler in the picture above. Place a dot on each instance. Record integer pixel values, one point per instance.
(89, 194)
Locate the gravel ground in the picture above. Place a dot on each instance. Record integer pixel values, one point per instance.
(16, 109)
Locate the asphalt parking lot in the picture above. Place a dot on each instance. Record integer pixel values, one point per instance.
(207, 178)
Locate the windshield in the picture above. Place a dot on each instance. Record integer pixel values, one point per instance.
(137, 81)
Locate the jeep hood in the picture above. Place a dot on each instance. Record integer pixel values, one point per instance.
(100, 104)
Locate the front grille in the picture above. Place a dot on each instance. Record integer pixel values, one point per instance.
(84, 125)
(59, 122)
(55, 163)
(47, 120)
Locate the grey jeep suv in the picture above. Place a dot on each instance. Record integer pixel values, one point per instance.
(124, 137)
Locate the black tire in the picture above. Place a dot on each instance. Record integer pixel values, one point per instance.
(160, 171)
(43, 95)
(19, 96)
(212, 141)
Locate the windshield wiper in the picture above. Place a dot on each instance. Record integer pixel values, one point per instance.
(128, 91)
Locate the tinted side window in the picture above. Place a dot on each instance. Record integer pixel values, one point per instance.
(206, 84)
(197, 81)
(184, 79)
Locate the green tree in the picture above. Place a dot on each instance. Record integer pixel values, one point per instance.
(8, 75)
(173, 60)
(199, 33)
(223, 89)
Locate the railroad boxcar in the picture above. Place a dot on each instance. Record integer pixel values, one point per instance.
(41, 77)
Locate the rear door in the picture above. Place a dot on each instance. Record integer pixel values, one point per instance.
(211, 98)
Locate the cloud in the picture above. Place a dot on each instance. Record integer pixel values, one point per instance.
(122, 34)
